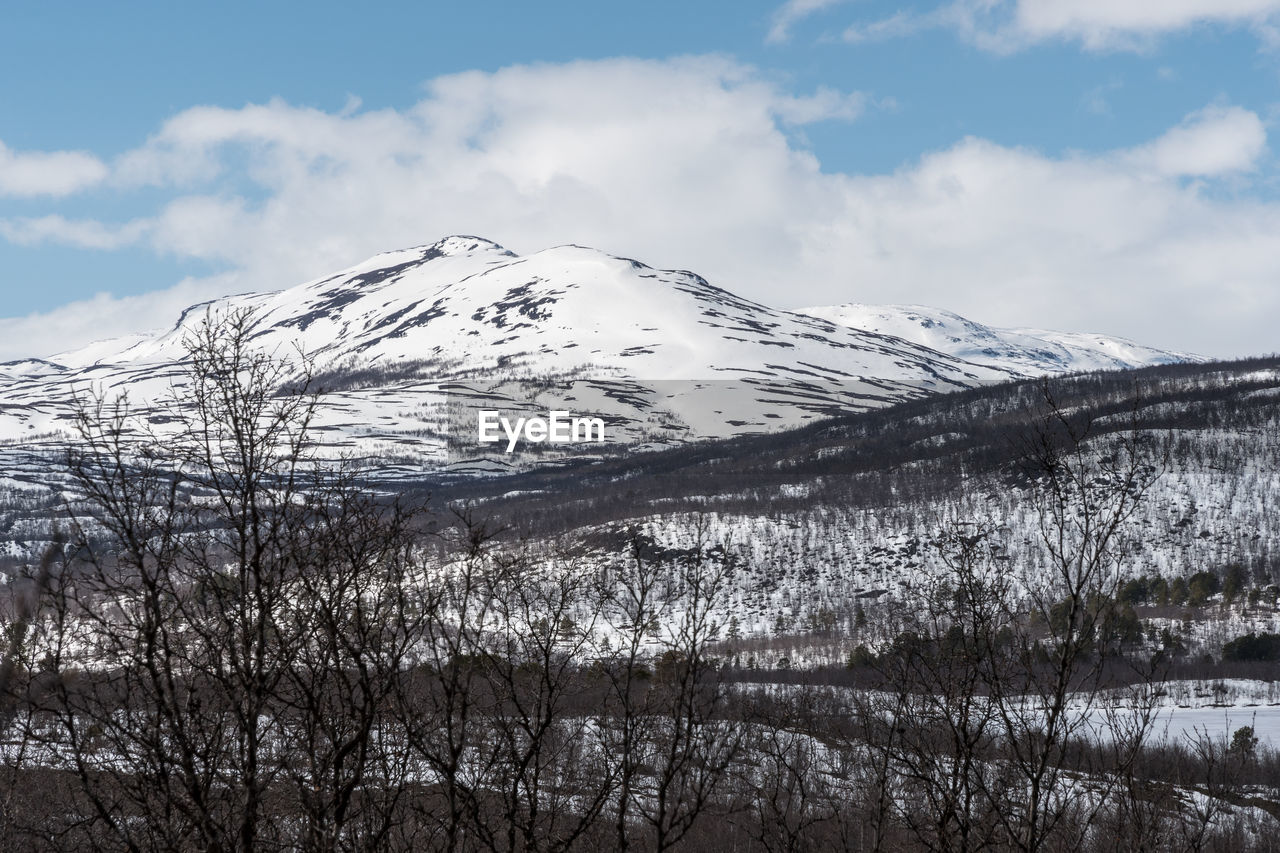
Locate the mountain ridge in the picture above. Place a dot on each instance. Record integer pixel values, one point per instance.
(1032, 350)
(664, 354)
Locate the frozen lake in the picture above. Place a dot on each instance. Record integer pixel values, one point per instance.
(1178, 722)
(1182, 723)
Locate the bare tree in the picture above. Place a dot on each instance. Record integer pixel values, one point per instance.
(696, 739)
(442, 702)
(220, 649)
(20, 684)
(792, 796)
(637, 595)
(552, 783)
(357, 607)
(1046, 681)
(993, 688)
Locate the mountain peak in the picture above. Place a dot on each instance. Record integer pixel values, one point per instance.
(463, 244)
(454, 246)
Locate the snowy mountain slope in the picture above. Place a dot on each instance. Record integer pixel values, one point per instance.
(407, 339)
(1028, 351)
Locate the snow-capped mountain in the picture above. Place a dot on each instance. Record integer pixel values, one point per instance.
(1030, 352)
(559, 310)
(661, 354)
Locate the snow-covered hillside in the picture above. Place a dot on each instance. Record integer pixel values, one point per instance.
(833, 520)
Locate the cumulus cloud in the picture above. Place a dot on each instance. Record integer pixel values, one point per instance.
(47, 173)
(694, 163)
(1107, 243)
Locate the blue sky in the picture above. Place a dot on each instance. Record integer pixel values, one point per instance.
(1071, 164)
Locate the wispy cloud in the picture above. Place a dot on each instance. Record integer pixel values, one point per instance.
(1125, 24)
(79, 233)
(1096, 100)
(103, 316)
(899, 24)
(1005, 26)
(791, 13)
(823, 105)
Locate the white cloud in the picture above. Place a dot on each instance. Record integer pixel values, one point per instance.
(1214, 141)
(898, 24)
(103, 316)
(822, 105)
(51, 173)
(1110, 243)
(80, 233)
(1102, 24)
(692, 163)
(791, 13)
(1004, 26)
(1096, 99)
